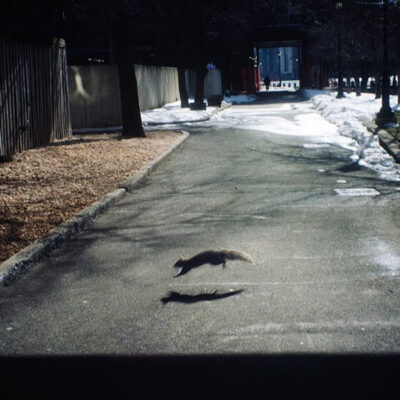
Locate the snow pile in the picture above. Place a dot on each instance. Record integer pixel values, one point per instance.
(323, 119)
(346, 114)
(292, 119)
(172, 113)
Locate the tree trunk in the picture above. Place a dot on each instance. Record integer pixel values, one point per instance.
(183, 92)
(364, 80)
(398, 88)
(182, 87)
(225, 74)
(378, 87)
(131, 117)
(320, 77)
(358, 87)
(398, 84)
(398, 71)
(201, 73)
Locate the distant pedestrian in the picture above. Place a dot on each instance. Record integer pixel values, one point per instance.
(267, 82)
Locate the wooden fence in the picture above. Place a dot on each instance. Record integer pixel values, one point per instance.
(95, 98)
(34, 104)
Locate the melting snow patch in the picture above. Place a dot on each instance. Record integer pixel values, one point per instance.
(357, 192)
(315, 145)
(387, 257)
(384, 254)
(346, 114)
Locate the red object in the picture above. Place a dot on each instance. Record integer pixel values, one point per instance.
(257, 78)
(248, 79)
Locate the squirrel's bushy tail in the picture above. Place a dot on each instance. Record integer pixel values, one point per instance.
(237, 255)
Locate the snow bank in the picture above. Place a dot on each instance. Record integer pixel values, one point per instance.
(172, 114)
(346, 114)
(292, 119)
(338, 121)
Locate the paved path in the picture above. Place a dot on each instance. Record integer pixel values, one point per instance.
(326, 273)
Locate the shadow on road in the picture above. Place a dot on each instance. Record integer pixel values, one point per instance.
(354, 166)
(177, 297)
(283, 96)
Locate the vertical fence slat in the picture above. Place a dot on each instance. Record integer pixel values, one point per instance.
(42, 98)
(28, 101)
(4, 123)
(3, 104)
(33, 76)
(14, 96)
(8, 100)
(34, 103)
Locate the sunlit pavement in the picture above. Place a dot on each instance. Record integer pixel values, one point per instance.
(323, 233)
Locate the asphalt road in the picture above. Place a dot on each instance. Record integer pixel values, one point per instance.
(325, 277)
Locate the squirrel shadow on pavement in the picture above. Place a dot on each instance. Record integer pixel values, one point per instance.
(177, 297)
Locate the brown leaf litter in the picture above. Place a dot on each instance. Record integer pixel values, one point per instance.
(41, 188)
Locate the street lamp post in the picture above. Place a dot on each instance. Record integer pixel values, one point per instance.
(385, 115)
(280, 74)
(340, 95)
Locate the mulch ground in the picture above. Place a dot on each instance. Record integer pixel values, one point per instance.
(41, 188)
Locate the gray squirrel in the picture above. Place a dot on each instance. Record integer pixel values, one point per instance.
(213, 257)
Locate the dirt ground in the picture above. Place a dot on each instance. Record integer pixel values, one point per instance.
(41, 188)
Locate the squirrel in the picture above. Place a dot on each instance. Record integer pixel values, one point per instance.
(213, 257)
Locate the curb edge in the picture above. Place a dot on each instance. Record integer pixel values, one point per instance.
(21, 262)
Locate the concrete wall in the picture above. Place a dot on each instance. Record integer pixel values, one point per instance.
(95, 97)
